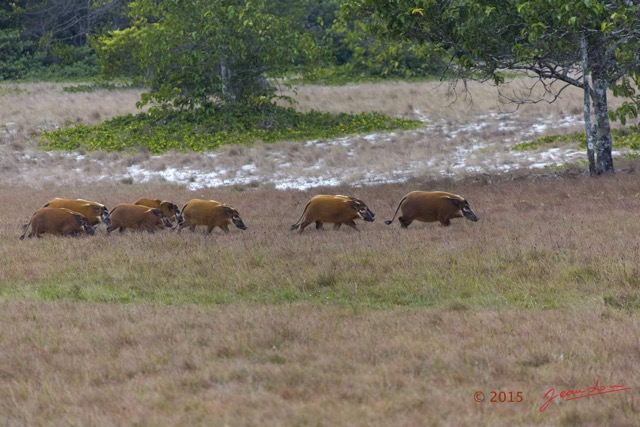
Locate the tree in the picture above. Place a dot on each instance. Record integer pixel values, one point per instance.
(590, 44)
(49, 37)
(70, 21)
(360, 54)
(194, 53)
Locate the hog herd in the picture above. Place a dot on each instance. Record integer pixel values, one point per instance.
(73, 217)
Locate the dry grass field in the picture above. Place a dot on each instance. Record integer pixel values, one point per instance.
(373, 328)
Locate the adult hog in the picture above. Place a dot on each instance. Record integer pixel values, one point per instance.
(210, 214)
(95, 212)
(136, 217)
(430, 206)
(57, 221)
(335, 209)
(171, 210)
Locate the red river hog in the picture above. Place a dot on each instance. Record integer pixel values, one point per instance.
(58, 221)
(211, 214)
(137, 217)
(335, 209)
(93, 211)
(171, 210)
(430, 206)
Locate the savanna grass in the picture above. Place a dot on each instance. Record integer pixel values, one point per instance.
(301, 364)
(543, 245)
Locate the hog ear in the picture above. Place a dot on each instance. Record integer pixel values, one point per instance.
(227, 211)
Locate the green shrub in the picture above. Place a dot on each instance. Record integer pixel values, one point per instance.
(159, 131)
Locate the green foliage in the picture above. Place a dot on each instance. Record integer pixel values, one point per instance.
(76, 63)
(626, 87)
(15, 55)
(204, 129)
(358, 54)
(22, 59)
(25, 56)
(192, 54)
(316, 39)
(481, 37)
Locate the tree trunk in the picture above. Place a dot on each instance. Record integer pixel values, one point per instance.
(225, 76)
(589, 129)
(602, 134)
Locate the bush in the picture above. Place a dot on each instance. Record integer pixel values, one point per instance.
(204, 129)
